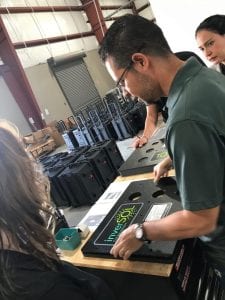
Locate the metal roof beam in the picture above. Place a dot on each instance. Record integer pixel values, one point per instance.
(30, 9)
(39, 42)
(143, 7)
(37, 9)
(95, 17)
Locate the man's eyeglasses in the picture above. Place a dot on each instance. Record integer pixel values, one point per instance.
(120, 81)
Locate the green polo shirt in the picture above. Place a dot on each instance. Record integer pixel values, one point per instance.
(196, 143)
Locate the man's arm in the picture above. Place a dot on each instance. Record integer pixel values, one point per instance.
(162, 168)
(179, 225)
(183, 224)
(150, 126)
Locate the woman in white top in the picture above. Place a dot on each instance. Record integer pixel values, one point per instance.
(210, 37)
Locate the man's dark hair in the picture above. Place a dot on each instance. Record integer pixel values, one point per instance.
(130, 34)
(215, 23)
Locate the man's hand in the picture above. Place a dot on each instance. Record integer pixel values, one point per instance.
(140, 141)
(162, 168)
(126, 244)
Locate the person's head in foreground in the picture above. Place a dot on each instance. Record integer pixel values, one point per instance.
(24, 205)
(29, 265)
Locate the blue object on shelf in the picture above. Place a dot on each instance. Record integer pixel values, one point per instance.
(67, 238)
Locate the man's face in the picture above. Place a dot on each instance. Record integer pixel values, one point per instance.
(138, 84)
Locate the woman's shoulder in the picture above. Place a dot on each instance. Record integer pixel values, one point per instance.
(66, 281)
(90, 283)
(71, 282)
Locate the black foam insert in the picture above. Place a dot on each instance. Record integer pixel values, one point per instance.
(142, 200)
(143, 160)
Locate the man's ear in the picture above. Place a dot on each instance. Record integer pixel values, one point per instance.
(140, 61)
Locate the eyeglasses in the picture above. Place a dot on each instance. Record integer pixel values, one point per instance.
(120, 82)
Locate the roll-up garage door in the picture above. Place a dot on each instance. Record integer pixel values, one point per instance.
(75, 81)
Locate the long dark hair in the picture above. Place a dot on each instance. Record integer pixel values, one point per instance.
(215, 23)
(25, 208)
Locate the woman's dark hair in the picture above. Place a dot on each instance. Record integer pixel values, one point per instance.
(215, 23)
(185, 55)
(130, 34)
(25, 208)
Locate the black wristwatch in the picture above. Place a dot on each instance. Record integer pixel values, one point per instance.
(139, 233)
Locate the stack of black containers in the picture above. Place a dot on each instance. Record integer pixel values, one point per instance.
(80, 177)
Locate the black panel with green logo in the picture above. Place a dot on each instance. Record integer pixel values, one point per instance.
(142, 200)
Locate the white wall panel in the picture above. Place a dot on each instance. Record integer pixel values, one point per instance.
(25, 27)
(140, 3)
(112, 2)
(38, 2)
(121, 12)
(14, 2)
(48, 93)
(10, 109)
(179, 19)
(21, 27)
(147, 13)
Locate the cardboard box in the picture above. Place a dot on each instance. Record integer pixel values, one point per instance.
(39, 142)
(38, 136)
(55, 135)
(29, 139)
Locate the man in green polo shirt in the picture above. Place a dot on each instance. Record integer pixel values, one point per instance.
(140, 60)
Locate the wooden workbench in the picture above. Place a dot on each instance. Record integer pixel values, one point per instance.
(128, 279)
(76, 257)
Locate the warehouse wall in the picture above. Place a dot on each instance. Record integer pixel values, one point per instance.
(52, 24)
(98, 72)
(178, 19)
(48, 93)
(10, 109)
